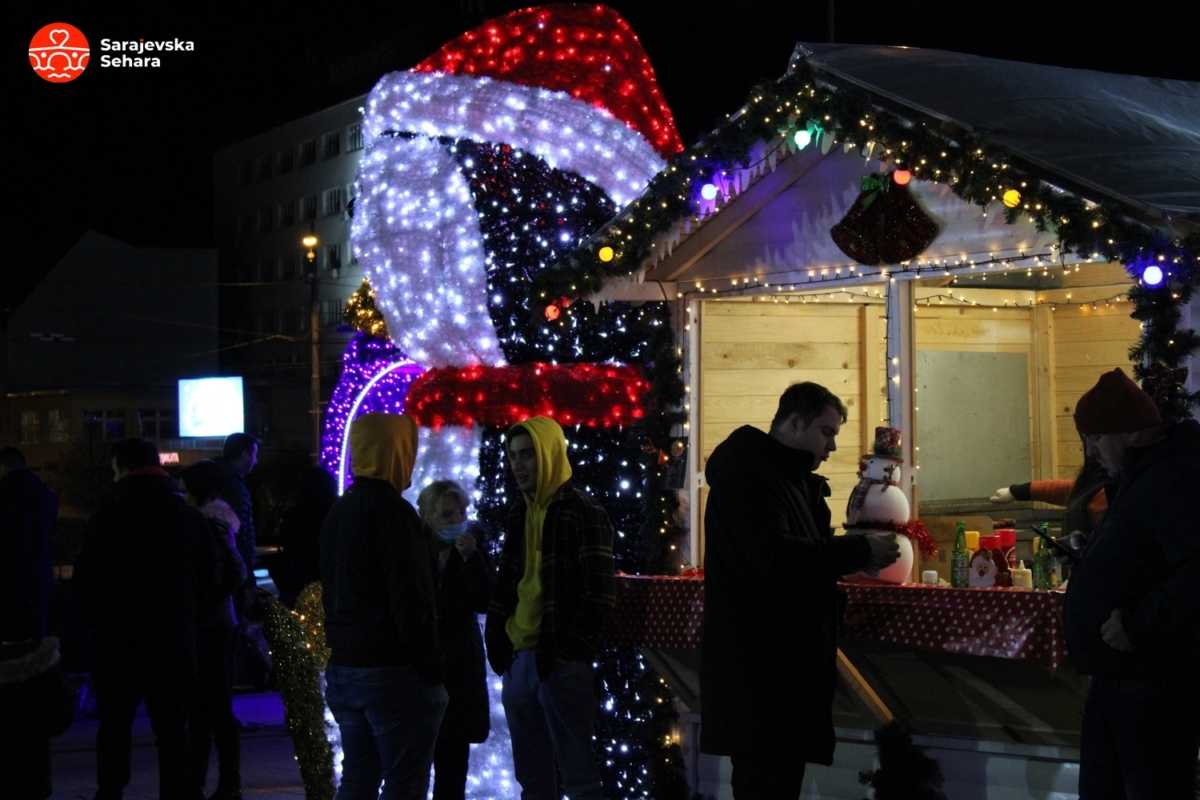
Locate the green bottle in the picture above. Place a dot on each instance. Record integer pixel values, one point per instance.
(960, 558)
(1043, 562)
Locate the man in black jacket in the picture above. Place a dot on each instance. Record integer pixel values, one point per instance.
(238, 457)
(146, 574)
(28, 514)
(554, 591)
(771, 566)
(385, 673)
(1132, 614)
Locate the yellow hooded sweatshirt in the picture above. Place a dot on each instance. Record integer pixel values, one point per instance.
(553, 470)
(384, 447)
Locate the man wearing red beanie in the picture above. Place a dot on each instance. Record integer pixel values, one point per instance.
(1132, 613)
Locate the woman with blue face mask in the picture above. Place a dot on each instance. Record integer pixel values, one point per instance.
(464, 587)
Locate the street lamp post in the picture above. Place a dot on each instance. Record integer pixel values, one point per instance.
(310, 242)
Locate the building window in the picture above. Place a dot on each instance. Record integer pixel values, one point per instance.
(266, 220)
(31, 423)
(308, 153)
(287, 214)
(333, 145)
(288, 266)
(293, 321)
(57, 425)
(333, 256)
(354, 137)
(310, 207)
(331, 312)
(334, 200)
(246, 173)
(304, 315)
(264, 168)
(285, 161)
(109, 424)
(157, 423)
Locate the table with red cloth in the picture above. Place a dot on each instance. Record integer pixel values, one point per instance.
(1008, 623)
(665, 612)
(657, 611)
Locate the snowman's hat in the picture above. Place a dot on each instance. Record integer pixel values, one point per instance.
(887, 443)
(569, 83)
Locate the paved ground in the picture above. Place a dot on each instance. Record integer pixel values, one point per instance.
(268, 765)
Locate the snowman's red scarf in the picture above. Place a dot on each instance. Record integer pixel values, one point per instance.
(593, 395)
(914, 530)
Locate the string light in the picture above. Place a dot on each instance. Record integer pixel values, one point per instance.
(478, 175)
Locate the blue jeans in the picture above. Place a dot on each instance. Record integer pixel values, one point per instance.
(551, 726)
(389, 721)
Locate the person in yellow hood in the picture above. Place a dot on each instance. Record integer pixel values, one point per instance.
(384, 679)
(554, 591)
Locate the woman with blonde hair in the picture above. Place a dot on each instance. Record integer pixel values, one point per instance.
(464, 586)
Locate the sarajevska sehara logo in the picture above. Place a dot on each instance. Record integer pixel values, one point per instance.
(59, 52)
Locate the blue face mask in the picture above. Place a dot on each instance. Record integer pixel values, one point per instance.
(450, 533)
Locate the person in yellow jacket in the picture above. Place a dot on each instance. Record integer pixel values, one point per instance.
(386, 673)
(554, 591)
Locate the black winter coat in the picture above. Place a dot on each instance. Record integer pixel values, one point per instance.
(377, 584)
(235, 492)
(28, 513)
(146, 578)
(463, 591)
(771, 566)
(1143, 559)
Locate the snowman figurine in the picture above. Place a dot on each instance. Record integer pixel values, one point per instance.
(878, 504)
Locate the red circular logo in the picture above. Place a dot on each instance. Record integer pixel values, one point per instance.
(59, 52)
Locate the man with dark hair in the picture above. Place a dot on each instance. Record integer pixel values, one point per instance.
(554, 592)
(28, 657)
(1132, 612)
(771, 566)
(146, 573)
(808, 400)
(238, 456)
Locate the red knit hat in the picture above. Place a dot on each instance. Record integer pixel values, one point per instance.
(1115, 405)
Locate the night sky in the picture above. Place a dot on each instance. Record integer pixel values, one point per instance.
(129, 152)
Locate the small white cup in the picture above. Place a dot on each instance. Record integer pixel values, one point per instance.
(930, 576)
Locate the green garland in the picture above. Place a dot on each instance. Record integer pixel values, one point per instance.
(977, 171)
(298, 657)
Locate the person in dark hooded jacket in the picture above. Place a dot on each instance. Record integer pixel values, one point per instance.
(766, 688)
(1132, 612)
(300, 530)
(29, 659)
(145, 580)
(385, 674)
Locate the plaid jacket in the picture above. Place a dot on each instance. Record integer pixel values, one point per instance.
(578, 590)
